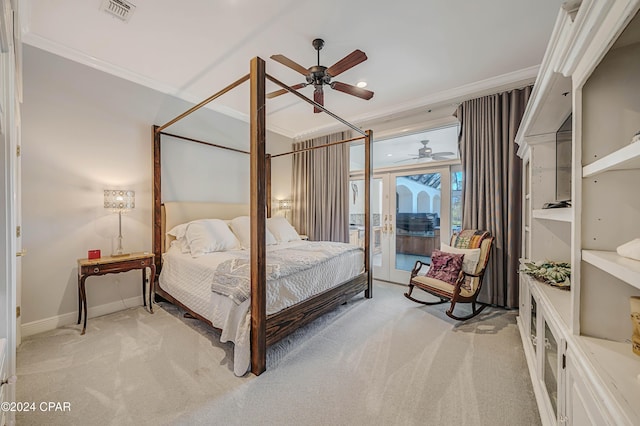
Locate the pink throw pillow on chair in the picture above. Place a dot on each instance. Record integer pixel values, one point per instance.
(445, 266)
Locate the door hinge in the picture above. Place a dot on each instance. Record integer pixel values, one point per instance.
(18, 150)
(564, 361)
(18, 231)
(17, 311)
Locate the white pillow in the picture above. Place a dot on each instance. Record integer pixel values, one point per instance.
(241, 226)
(282, 229)
(208, 236)
(470, 260)
(180, 241)
(178, 231)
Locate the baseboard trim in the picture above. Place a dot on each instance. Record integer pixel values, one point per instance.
(47, 324)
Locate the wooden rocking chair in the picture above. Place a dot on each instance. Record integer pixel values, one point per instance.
(468, 285)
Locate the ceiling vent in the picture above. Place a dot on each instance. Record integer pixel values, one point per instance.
(121, 9)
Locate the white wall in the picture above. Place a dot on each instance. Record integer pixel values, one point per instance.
(84, 131)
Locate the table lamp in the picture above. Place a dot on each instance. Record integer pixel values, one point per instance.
(121, 201)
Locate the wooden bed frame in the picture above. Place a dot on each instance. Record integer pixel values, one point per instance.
(266, 330)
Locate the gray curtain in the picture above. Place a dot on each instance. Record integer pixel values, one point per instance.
(493, 185)
(321, 189)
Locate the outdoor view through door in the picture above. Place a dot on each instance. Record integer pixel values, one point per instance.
(415, 206)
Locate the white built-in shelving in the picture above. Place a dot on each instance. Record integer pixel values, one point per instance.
(559, 298)
(560, 214)
(617, 367)
(626, 158)
(593, 55)
(627, 270)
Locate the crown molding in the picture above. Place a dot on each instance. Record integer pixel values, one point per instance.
(484, 87)
(109, 68)
(489, 86)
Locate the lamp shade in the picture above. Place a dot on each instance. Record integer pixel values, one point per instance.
(284, 204)
(119, 199)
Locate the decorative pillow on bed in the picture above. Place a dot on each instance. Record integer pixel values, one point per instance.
(179, 232)
(208, 236)
(471, 257)
(241, 226)
(282, 229)
(445, 266)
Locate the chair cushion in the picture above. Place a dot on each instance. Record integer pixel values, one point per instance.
(468, 238)
(473, 239)
(424, 281)
(445, 266)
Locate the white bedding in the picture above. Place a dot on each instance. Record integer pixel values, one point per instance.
(189, 280)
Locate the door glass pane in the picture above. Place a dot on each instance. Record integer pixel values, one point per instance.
(456, 202)
(551, 366)
(417, 220)
(356, 216)
(533, 325)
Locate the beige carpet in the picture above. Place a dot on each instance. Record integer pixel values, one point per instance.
(384, 361)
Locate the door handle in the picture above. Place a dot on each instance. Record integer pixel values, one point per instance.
(21, 253)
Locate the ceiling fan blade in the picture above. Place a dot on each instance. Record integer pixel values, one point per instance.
(352, 90)
(406, 159)
(291, 64)
(318, 97)
(443, 153)
(283, 91)
(440, 156)
(349, 61)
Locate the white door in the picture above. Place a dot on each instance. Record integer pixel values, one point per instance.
(10, 54)
(17, 208)
(411, 216)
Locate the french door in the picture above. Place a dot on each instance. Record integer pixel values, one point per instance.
(411, 215)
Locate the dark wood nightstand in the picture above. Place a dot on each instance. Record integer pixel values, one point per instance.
(114, 265)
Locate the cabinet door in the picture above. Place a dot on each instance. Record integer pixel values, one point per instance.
(582, 408)
(551, 367)
(533, 322)
(525, 304)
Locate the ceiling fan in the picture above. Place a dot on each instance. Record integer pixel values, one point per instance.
(319, 75)
(427, 152)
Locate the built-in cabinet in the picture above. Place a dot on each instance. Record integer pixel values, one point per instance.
(577, 341)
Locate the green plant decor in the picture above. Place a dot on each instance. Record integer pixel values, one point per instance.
(557, 274)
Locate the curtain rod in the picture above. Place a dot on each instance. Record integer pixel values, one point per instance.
(205, 143)
(206, 101)
(319, 146)
(315, 104)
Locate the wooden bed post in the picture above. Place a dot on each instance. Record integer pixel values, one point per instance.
(258, 218)
(157, 200)
(368, 157)
(268, 174)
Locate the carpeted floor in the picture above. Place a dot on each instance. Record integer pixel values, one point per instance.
(383, 361)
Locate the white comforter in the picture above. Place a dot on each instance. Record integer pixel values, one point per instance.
(189, 280)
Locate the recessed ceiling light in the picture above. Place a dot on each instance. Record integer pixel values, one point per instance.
(362, 84)
(389, 155)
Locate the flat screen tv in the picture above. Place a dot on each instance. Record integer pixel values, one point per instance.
(564, 135)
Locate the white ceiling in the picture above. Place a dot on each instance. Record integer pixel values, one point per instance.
(420, 51)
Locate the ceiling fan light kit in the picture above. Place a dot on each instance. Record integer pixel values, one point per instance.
(319, 75)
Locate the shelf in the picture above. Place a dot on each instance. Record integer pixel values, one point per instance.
(560, 215)
(628, 270)
(619, 370)
(625, 158)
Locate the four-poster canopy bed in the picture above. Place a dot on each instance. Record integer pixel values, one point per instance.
(266, 327)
